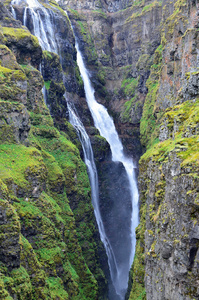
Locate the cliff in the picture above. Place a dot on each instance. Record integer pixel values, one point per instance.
(146, 73)
(143, 61)
(50, 246)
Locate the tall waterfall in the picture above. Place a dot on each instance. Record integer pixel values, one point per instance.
(104, 123)
(40, 22)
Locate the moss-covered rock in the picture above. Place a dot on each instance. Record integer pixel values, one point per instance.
(13, 85)
(50, 252)
(26, 46)
(169, 168)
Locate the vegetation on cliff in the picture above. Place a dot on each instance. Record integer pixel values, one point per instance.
(48, 251)
(169, 168)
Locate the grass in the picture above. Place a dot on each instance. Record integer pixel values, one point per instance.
(17, 160)
(129, 85)
(125, 116)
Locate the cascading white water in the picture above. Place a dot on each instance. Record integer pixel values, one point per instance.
(42, 28)
(93, 177)
(104, 123)
(41, 18)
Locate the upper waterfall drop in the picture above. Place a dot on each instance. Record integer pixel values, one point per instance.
(104, 123)
(41, 19)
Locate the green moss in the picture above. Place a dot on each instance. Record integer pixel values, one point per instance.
(17, 161)
(129, 85)
(148, 120)
(13, 75)
(138, 268)
(144, 10)
(17, 34)
(151, 5)
(177, 16)
(79, 80)
(56, 248)
(64, 165)
(3, 292)
(21, 282)
(42, 120)
(57, 288)
(9, 84)
(47, 84)
(47, 54)
(126, 114)
(27, 67)
(89, 50)
(187, 116)
(53, 4)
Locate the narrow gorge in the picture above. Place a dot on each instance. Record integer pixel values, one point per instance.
(99, 100)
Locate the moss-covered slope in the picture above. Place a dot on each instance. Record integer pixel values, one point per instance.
(47, 251)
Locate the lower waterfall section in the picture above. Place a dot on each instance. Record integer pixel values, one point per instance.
(123, 213)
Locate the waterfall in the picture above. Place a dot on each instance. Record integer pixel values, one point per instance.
(40, 21)
(93, 177)
(104, 123)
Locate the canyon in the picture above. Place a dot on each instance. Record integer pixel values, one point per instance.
(142, 59)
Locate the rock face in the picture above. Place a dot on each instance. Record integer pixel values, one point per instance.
(167, 235)
(119, 48)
